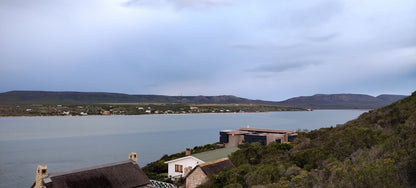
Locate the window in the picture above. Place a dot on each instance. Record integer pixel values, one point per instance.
(178, 168)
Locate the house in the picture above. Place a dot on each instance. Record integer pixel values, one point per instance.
(199, 175)
(123, 174)
(233, 138)
(178, 168)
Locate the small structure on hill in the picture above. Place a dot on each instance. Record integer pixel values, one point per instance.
(180, 167)
(199, 175)
(233, 138)
(123, 174)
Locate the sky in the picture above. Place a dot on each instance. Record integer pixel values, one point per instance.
(257, 49)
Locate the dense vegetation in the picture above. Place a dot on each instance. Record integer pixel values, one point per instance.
(376, 150)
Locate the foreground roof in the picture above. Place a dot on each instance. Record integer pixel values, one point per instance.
(214, 167)
(217, 166)
(124, 174)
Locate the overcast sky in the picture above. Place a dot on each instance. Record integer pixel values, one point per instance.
(258, 49)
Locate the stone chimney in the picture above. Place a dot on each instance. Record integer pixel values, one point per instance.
(188, 152)
(41, 172)
(133, 156)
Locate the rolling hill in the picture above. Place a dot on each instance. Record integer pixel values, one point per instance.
(342, 101)
(319, 101)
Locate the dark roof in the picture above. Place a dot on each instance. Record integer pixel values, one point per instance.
(216, 167)
(124, 174)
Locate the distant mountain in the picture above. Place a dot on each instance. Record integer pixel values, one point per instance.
(319, 101)
(342, 101)
(48, 97)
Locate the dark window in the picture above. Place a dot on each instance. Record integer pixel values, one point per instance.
(178, 168)
(250, 138)
(223, 137)
(43, 171)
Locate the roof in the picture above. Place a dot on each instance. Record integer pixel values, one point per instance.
(124, 174)
(214, 167)
(214, 155)
(259, 130)
(208, 155)
(183, 158)
(236, 132)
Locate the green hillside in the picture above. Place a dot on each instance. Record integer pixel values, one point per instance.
(378, 149)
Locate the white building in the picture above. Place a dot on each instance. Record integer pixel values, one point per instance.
(182, 166)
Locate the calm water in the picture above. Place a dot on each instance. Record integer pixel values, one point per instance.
(64, 143)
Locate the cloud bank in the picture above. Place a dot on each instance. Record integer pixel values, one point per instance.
(264, 49)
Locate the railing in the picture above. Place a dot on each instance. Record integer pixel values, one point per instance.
(160, 184)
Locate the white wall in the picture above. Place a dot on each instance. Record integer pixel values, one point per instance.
(185, 162)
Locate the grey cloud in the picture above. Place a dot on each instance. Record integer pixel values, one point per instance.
(263, 46)
(323, 38)
(317, 14)
(245, 46)
(180, 4)
(282, 67)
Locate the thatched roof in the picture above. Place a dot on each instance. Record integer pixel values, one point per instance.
(216, 167)
(124, 174)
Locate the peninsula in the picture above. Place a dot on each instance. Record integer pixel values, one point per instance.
(47, 103)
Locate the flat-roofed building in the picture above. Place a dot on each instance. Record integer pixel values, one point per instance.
(233, 138)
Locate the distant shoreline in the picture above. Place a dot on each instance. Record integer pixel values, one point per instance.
(138, 109)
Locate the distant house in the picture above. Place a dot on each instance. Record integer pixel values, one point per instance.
(233, 138)
(124, 174)
(199, 175)
(106, 112)
(180, 167)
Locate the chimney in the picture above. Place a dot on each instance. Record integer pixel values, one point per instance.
(188, 152)
(133, 156)
(41, 172)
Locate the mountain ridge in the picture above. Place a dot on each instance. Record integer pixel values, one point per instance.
(347, 100)
(318, 101)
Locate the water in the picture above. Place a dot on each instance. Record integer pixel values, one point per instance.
(64, 143)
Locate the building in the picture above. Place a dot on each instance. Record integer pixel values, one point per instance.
(123, 174)
(233, 138)
(180, 167)
(199, 175)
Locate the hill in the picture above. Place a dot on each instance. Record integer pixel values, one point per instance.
(320, 101)
(48, 97)
(342, 101)
(378, 149)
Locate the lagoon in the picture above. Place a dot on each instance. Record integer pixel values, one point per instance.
(65, 143)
